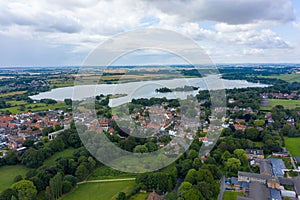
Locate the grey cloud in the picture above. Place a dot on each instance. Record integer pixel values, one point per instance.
(229, 11)
(41, 21)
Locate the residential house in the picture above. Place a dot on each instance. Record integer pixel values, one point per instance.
(255, 153)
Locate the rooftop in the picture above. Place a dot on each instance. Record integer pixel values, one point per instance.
(275, 194)
(255, 151)
(254, 175)
(277, 166)
(259, 191)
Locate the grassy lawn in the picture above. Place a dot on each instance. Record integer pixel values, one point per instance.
(94, 191)
(8, 173)
(292, 145)
(287, 104)
(32, 107)
(65, 153)
(232, 195)
(140, 196)
(286, 77)
(108, 173)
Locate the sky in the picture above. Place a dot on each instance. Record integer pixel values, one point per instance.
(56, 32)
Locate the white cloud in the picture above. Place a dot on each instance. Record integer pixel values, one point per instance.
(82, 25)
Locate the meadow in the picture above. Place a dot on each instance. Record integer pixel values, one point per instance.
(94, 191)
(65, 153)
(8, 173)
(287, 104)
(231, 195)
(292, 145)
(16, 107)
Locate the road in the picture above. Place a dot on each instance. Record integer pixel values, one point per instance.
(222, 188)
(107, 180)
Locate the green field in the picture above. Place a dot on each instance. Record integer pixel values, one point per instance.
(139, 196)
(105, 172)
(287, 104)
(32, 107)
(65, 153)
(286, 77)
(292, 145)
(8, 173)
(95, 191)
(232, 195)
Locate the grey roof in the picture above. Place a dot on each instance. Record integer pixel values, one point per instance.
(254, 175)
(297, 159)
(277, 166)
(255, 151)
(275, 194)
(259, 191)
(286, 181)
(265, 166)
(242, 184)
(234, 180)
(297, 185)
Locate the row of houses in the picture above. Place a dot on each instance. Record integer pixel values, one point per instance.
(15, 129)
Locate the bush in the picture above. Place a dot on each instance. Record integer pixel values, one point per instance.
(67, 186)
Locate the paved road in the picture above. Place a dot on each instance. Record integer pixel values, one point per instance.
(107, 180)
(222, 188)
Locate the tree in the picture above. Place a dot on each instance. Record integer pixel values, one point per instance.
(191, 176)
(25, 189)
(193, 194)
(67, 187)
(241, 155)
(252, 134)
(232, 165)
(140, 149)
(184, 187)
(171, 196)
(192, 154)
(56, 186)
(81, 172)
(225, 156)
(11, 158)
(32, 158)
(71, 179)
(18, 178)
(8, 194)
(121, 196)
(28, 143)
(68, 102)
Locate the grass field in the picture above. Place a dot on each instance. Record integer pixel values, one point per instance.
(288, 104)
(65, 153)
(231, 195)
(32, 107)
(108, 173)
(292, 145)
(139, 196)
(286, 77)
(8, 173)
(95, 191)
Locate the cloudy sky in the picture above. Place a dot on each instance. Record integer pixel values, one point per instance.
(56, 32)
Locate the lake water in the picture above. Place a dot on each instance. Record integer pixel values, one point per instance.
(144, 89)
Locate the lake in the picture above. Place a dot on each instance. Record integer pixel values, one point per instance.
(144, 89)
